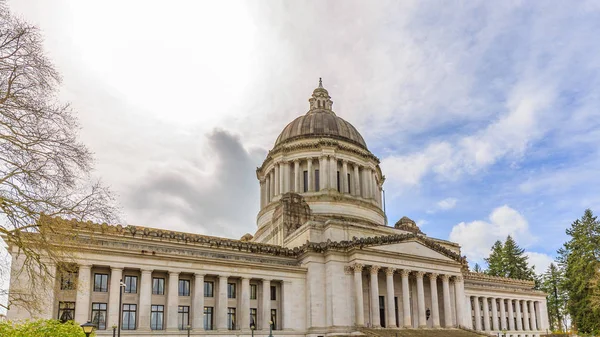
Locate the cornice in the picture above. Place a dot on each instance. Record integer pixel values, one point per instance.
(470, 276)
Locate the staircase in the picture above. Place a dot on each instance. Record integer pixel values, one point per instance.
(420, 333)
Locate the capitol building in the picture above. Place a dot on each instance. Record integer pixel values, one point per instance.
(322, 262)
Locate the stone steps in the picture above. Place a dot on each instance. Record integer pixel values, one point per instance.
(420, 333)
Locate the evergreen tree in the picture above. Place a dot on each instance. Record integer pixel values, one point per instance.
(516, 262)
(556, 298)
(496, 262)
(580, 259)
(477, 268)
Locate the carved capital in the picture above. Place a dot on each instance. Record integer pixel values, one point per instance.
(405, 272)
(390, 271)
(458, 278)
(358, 268)
(374, 269)
(433, 276)
(420, 274)
(445, 278)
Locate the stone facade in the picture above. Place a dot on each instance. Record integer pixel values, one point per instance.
(323, 260)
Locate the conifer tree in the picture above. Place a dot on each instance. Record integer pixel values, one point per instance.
(516, 262)
(556, 299)
(477, 268)
(580, 259)
(496, 262)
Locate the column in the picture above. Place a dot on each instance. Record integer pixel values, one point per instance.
(502, 315)
(447, 310)
(374, 186)
(533, 324)
(344, 178)
(486, 314)
(262, 193)
(459, 294)
(172, 300)
(276, 177)
(525, 315)
(406, 299)
(82, 301)
(145, 297)
(511, 315)
(198, 303)
(323, 183)
(518, 312)
(435, 308)
(116, 274)
(286, 305)
(468, 323)
(282, 176)
(311, 186)
(540, 323)
(356, 181)
(272, 185)
(266, 304)
(297, 175)
(477, 312)
(287, 177)
(421, 300)
(358, 292)
(244, 318)
(222, 302)
(333, 173)
(494, 309)
(267, 189)
(391, 308)
(375, 319)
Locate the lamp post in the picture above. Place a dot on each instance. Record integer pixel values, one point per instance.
(87, 328)
(252, 327)
(271, 328)
(121, 287)
(188, 329)
(114, 327)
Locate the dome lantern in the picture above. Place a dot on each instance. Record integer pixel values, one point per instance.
(320, 99)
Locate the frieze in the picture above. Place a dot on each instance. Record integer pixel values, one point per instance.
(485, 277)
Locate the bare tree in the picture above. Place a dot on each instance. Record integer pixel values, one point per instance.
(44, 169)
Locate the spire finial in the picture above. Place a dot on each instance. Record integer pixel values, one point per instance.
(320, 83)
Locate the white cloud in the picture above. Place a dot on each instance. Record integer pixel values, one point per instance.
(541, 261)
(446, 204)
(477, 237)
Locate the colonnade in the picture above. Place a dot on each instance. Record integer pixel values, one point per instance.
(219, 300)
(390, 308)
(322, 173)
(499, 314)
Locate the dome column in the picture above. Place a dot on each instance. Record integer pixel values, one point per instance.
(356, 181)
(297, 176)
(322, 173)
(277, 180)
(344, 178)
(262, 193)
(311, 186)
(333, 173)
(271, 185)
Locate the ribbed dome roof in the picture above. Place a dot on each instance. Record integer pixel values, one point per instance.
(321, 123)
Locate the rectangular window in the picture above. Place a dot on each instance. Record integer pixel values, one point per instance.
(208, 318)
(101, 282)
(157, 317)
(209, 289)
(67, 281)
(273, 293)
(253, 291)
(130, 284)
(317, 180)
(274, 318)
(230, 290)
(158, 286)
(184, 287)
(305, 174)
(99, 315)
(253, 316)
(338, 182)
(183, 317)
(230, 318)
(349, 185)
(129, 311)
(66, 311)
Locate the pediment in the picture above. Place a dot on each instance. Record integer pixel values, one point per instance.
(414, 248)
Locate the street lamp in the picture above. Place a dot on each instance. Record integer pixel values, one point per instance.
(121, 287)
(87, 328)
(188, 329)
(271, 328)
(252, 327)
(114, 327)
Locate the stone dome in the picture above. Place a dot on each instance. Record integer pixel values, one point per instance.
(321, 121)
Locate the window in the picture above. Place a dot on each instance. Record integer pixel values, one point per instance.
(129, 316)
(157, 315)
(338, 182)
(274, 318)
(184, 287)
(130, 284)
(305, 174)
(230, 290)
(101, 282)
(253, 291)
(183, 317)
(67, 281)
(209, 289)
(273, 293)
(99, 315)
(66, 311)
(230, 318)
(253, 316)
(208, 318)
(317, 179)
(349, 185)
(158, 286)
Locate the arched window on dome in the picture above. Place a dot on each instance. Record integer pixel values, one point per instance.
(319, 103)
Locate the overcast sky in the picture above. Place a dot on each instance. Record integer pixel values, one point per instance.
(485, 114)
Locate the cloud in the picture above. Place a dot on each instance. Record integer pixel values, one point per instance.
(477, 237)
(541, 261)
(446, 204)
